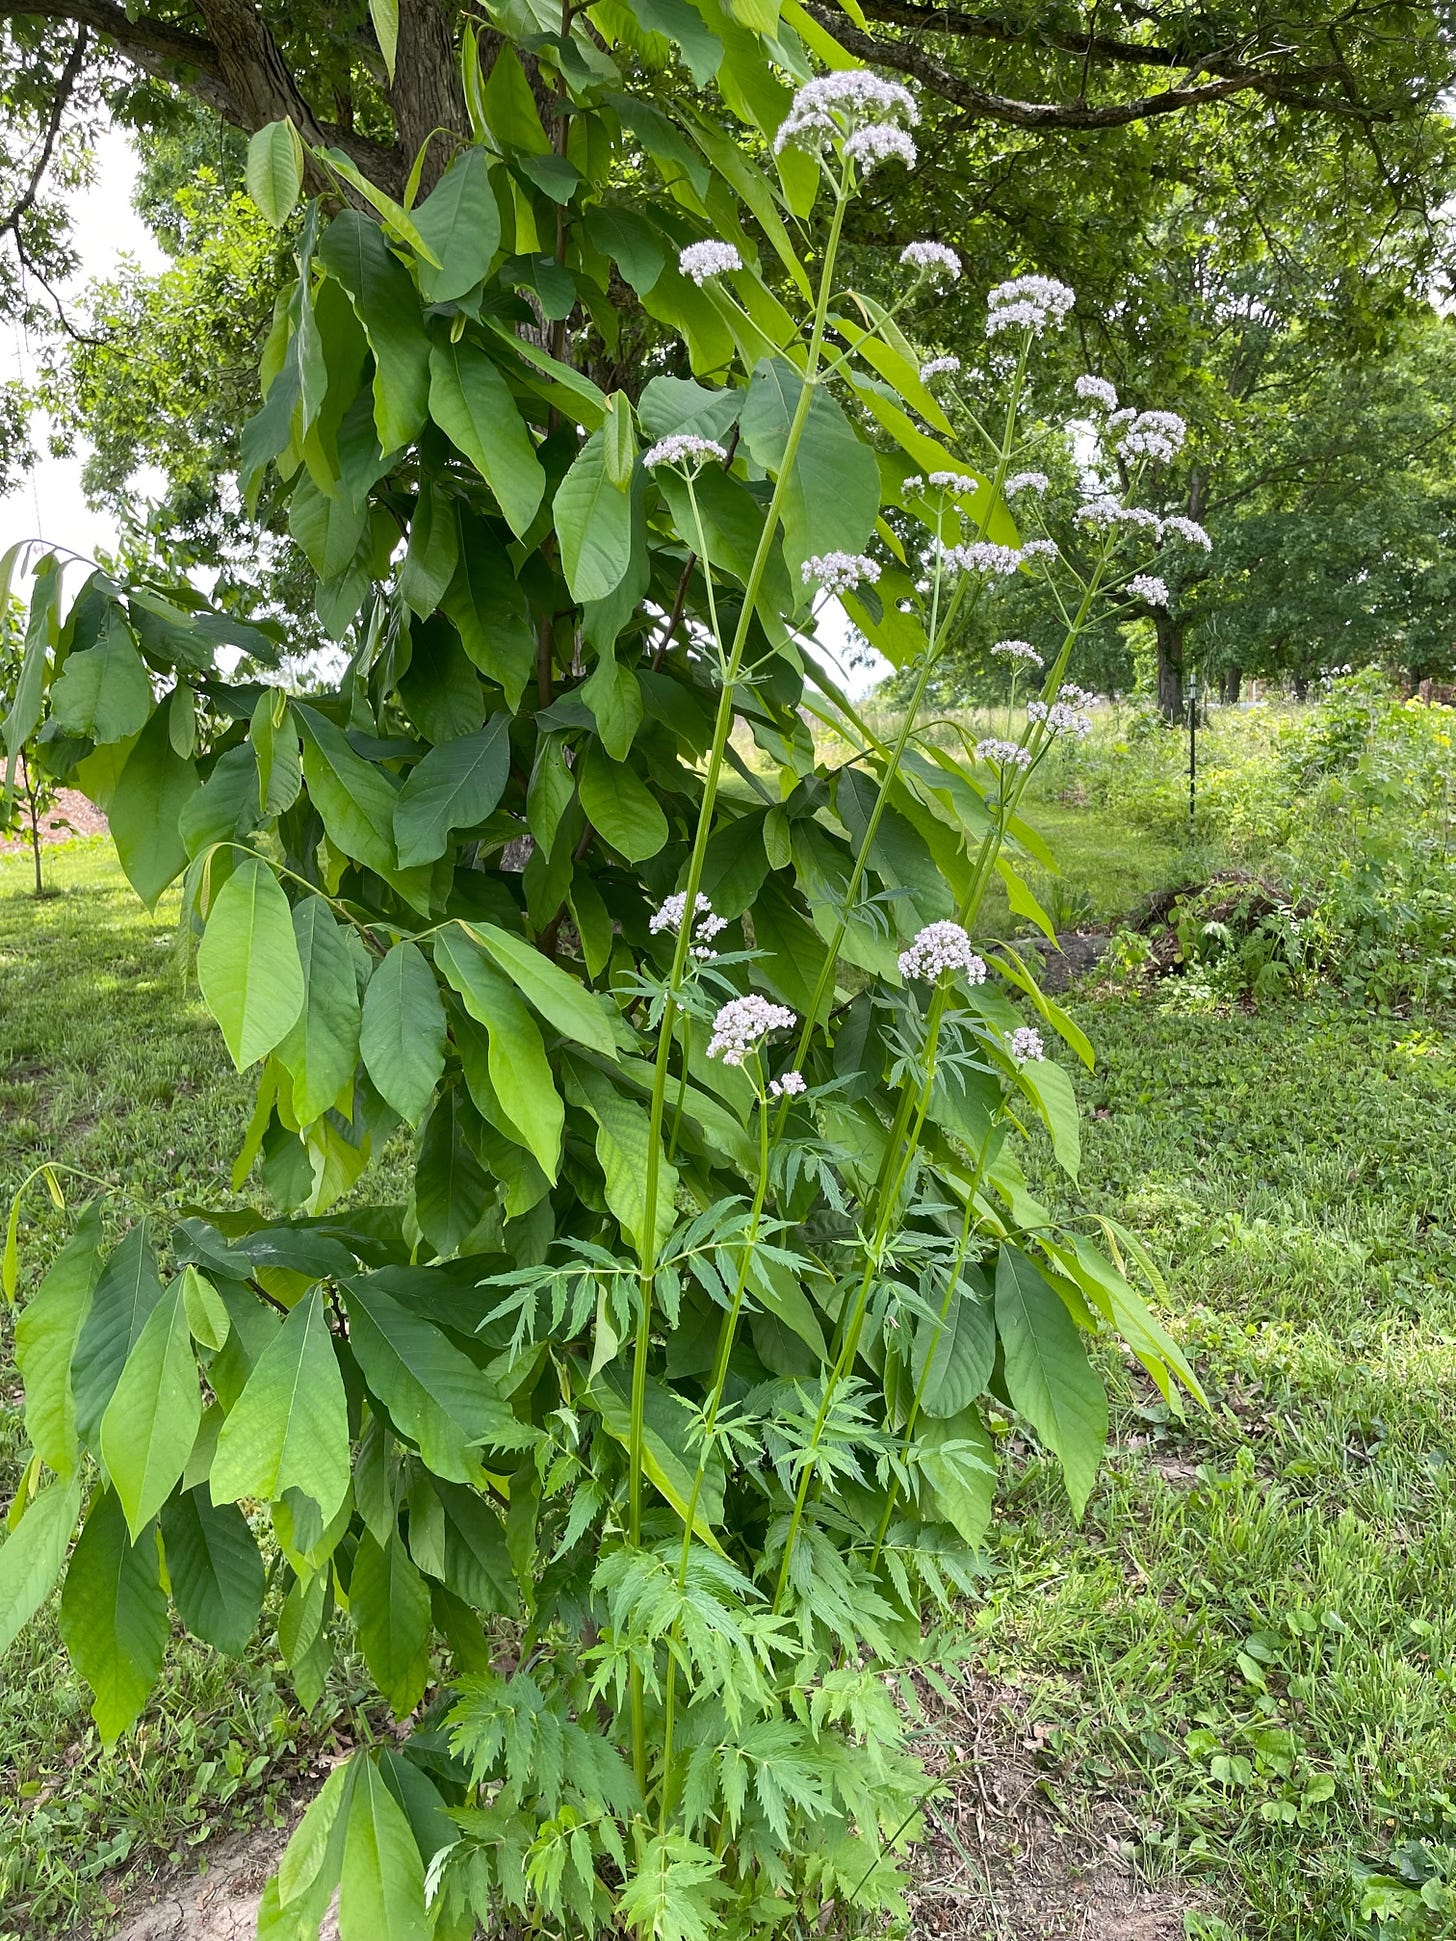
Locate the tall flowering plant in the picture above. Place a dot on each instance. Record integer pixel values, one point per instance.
(635, 1446)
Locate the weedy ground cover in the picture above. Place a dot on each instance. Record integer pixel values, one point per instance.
(1240, 1658)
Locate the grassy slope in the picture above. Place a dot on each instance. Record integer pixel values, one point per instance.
(1271, 1576)
(109, 1065)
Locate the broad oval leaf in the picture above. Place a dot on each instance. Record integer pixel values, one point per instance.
(1048, 1375)
(151, 1421)
(114, 1615)
(593, 524)
(289, 1429)
(454, 786)
(402, 1036)
(472, 404)
(247, 963)
(621, 807)
(32, 1556)
(214, 1568)
(274, 171)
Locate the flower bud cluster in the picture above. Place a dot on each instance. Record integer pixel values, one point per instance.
(1025, 1044)
(1003, 753)
(1029, 303)
(708, 258)
(683, 449)
(840, 572)
(706, 923)
(742, 1022)
(938, 948)
(788, 1087)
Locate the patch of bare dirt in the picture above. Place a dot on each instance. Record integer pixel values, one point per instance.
(218, 1905)
(71, 815)
(1010, 1855)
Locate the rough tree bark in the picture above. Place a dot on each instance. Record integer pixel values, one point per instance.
(1170, 631)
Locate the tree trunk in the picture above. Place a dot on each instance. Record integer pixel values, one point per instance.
(426, 94)
(1230, 683)
(1301, 688)
(1170, 665)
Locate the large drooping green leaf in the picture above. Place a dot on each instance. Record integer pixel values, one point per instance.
(313, 1860)
(460, 220)
(472, 404)
(1056, 1104)
(670, 1454)
(382, 1891)
(125, 1295)
(103, 693)
(351, 794)
(46, 1333)
(453, 1191)
(952, 1360)
(214, 1568)
(289, 1429)
(576, 1013)
(622, 1143)
(454, 786)
(433, 552)
(1048, 1375)
(248, 965)
(833, 495)
(436, 1396)
(390, 1604)
(32, 1555)
(621, 806)
(402, 1036)
(151, 1421)
(959, 1464)
(355, 251)
(519, 1068)
(274, 171)
(152, 790)
(322, 1048)
(593, 524)
(114, 1615)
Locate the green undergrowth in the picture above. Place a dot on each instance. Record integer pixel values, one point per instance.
(1243, 1654)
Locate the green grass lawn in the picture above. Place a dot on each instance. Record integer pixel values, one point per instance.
(1244, 1655)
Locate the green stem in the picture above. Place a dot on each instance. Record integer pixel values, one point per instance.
(722, 727)
(727, 1333)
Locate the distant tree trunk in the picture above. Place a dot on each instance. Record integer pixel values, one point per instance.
(28, 785)
(1170, 665)
(1230, 682)
(1301, 688)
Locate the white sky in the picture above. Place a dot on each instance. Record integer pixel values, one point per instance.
(49, 503)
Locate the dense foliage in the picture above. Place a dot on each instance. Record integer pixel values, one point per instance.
(644, 1433)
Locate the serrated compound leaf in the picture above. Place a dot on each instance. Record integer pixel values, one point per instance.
(247, 963)
(322, 1049)
(435, 1395)
(382, 1893)
(390, 1604)
(289, 1429)
(274, 171)
(32, 1555)
(114, 1615)
(214, 1567)
(454, 786)
(402, 1037)
(1048, 1375)
(151, 1421)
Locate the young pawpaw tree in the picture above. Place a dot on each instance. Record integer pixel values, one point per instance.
(634, 1446)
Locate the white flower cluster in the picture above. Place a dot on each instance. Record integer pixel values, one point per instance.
(1018, 650)
(683, 448)
(1096, 390)
(938, 366)
(788, 1087)
(1063, 718)
(840, 572)
(881, 141)
(1107, 511)
(1077, 697)
(741, 1022)
(1028, 303)
(958, 482)
(706, 923)
(937, 948)
(1025, 482)
(982, 556)
(1031, 548)
(1003, 752)
(1025, 1044)
(936, 263)
(1187, 530)
(708, 258)
(1153, 434)
(1147, 586)
(835, 105)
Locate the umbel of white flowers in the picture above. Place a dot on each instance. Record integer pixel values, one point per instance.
(938, 948)
(742, 1023)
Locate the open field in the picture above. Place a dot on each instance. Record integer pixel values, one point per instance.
(1233, 1680)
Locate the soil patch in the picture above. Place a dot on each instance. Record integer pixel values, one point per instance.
(71, 815)
(1076, 953)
